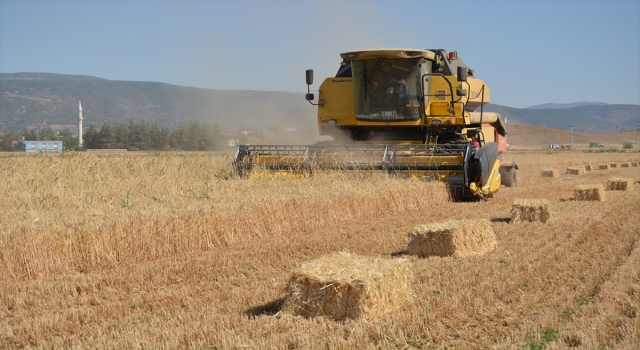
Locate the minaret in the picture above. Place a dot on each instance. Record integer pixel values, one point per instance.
(79, 124)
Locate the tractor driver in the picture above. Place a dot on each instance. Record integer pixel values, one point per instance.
(392, 85)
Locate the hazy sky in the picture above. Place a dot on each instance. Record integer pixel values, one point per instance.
(528, 52)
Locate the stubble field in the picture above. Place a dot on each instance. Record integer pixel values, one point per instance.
(169, 250)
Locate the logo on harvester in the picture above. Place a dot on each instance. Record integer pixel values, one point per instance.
(341, 80)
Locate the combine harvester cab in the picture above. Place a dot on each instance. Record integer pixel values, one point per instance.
(407, 112)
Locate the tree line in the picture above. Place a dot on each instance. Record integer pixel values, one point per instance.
(133, 136)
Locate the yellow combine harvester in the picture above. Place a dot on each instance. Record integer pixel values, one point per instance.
(408, 112)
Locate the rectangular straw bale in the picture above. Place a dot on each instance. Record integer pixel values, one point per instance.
(589, 193)
(341, 286)
(578, 170)
(603, 166)
(614, 165)
(530, 210)
(624, 165)
(588, 167)
(634, 164)
(550, 173)
(460, 238)
(620, 184)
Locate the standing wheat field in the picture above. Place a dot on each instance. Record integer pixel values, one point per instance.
(170, 250)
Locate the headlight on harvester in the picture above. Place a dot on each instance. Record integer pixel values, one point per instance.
(436, 122)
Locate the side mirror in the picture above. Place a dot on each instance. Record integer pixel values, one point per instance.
(309, 76)
(462, 73)
(309, 96)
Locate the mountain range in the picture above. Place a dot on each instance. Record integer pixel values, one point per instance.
(566, 105)
(587, 118)
(46, 99)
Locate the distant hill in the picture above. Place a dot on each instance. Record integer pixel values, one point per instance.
(591, 118)
(45, 99)
(46, 76)
(32, 99)
(566, 105)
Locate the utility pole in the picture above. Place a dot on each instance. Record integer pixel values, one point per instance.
(638, 137)
(571, 127)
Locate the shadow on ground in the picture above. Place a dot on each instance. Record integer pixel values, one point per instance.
(507, 220)
(268, 309)
(400, 253)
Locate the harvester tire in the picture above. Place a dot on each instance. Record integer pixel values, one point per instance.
(509, 177)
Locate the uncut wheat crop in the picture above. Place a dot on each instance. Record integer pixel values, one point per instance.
(171, 250)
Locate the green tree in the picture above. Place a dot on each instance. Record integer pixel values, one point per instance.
(143, 142)
(30, 135)
(90, 138)
(68, 140)
(627, 145)
(6, 139)
(195, 137)
(165, 138)
(177, 139)
(160, 138)
(134, 134)
(121, 136)
(47, 134)
(105, 136)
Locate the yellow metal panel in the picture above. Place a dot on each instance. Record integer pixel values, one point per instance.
(495, 179)
(487, 117)
(459, 112)
(493, 185)
(489, 133)
(439, 108)
(475, 93)
(337, 94)
(439, 83)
